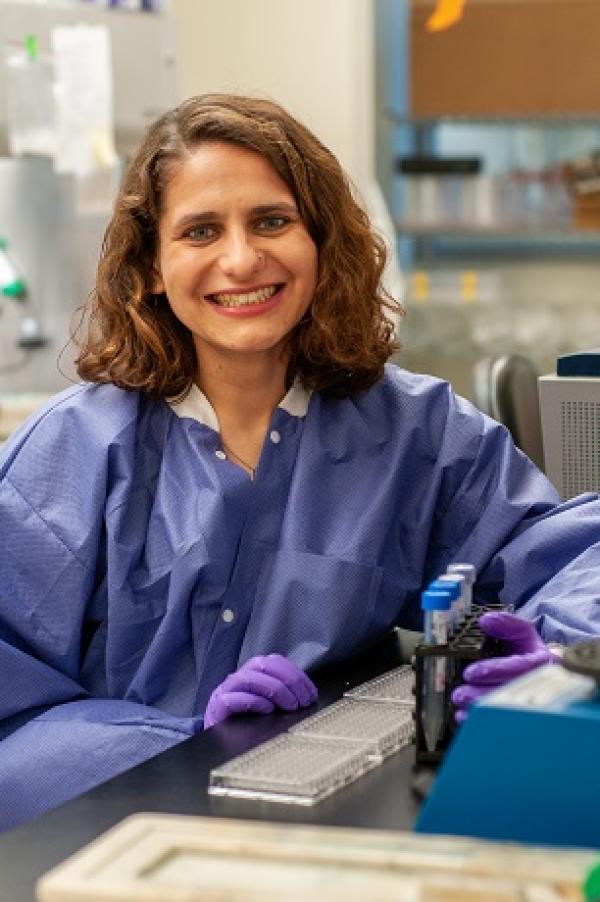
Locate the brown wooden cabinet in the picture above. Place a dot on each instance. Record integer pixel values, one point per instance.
(507, 58)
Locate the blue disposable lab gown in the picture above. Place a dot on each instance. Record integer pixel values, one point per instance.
(138, 566)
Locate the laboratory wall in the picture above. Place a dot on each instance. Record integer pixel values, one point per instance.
(315, 57)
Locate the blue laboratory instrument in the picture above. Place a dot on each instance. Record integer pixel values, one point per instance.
(524, 765)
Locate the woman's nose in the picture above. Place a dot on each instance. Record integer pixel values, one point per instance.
(239, 258)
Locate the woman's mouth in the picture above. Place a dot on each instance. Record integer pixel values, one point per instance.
(234, 300)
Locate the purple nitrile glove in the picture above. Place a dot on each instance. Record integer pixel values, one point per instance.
(259, 686)
(525, 651)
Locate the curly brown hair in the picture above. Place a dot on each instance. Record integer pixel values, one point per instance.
(134, 340)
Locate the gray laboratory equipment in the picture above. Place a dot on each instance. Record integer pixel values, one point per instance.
(143, 50)
(55, 244)
(570, 411)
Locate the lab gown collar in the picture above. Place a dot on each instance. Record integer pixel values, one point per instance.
(196, 405)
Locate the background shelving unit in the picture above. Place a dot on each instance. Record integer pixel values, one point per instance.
(512, 85)
(521, 162)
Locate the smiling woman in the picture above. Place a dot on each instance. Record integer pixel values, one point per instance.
(243, 489)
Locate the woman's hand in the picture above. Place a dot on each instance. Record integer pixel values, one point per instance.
(525, 651)
(259, 686)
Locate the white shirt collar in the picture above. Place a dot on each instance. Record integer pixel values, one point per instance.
(197, 407)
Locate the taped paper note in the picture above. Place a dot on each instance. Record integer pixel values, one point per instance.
(84, 97)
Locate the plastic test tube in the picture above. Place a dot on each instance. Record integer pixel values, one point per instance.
(470, 574)
(453, 586)
(436, 608)
(459, 606)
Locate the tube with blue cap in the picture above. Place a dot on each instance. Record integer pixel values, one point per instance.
(436, 610)
(458, 606)
(449, 584)
(470, 574)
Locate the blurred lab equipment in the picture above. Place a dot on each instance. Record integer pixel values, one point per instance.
(29, 99)
(582, 174)
(537, 310)
(506, 388)
(55, 237)
(153, 857)
(570, 411)
(57, 252)
(151, 38)
(439, 190)
(13, 285)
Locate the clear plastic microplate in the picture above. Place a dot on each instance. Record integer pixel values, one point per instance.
(294, 769)
(395, 686)
(384, 726)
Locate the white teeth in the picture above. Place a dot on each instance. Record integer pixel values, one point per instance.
(245, 300)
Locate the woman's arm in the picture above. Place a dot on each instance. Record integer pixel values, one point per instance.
(498, 512)
(57, 740)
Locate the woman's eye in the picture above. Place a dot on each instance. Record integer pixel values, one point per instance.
(272, 223)
(201, 233)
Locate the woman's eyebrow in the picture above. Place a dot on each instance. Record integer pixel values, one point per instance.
(195, 218)
(209, 216)
(278, 207)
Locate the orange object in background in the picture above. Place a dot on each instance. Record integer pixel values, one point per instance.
(446, 13)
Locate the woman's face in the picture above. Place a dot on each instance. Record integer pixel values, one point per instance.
(235, 259)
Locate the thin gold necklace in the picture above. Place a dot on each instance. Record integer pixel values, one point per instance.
(251, 470)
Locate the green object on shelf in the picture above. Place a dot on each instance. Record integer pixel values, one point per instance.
(16, 289)
(12, 284)
(31, 46)
(591, 885)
